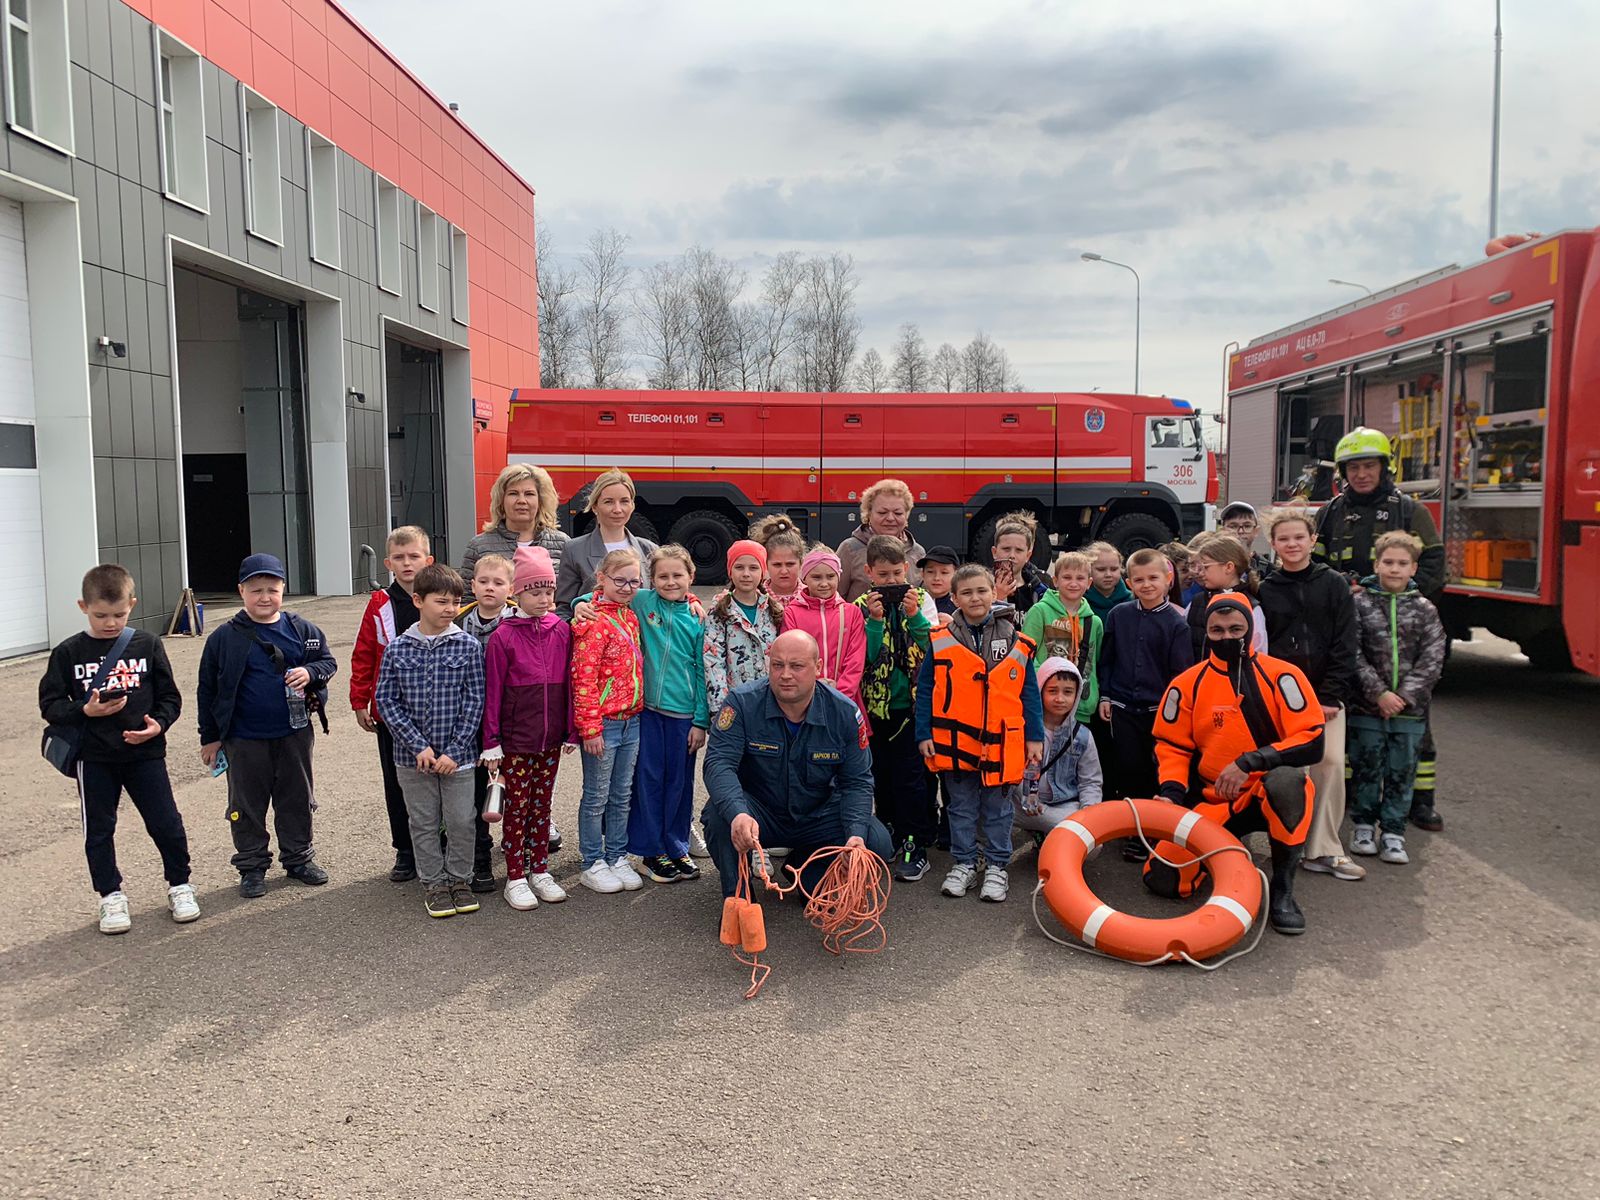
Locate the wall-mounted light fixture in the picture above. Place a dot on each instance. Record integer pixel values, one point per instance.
(116, 349)
(358, 397)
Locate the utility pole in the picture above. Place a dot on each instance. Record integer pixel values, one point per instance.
(1494, 142)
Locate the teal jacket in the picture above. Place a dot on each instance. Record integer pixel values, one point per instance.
(672, 641)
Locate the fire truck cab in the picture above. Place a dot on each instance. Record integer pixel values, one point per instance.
(1487, 380)
(1132, 470)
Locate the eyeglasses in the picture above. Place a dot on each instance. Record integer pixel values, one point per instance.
(1238, 526)
(626, 585)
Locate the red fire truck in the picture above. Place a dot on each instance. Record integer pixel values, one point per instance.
(1132, 470)
(1487, 380)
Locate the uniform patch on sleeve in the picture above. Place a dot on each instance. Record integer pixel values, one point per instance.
(863, 736)
(725, 718)
(1170, 706)
(1289, 689)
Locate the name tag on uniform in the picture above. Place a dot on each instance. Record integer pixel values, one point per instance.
(763, 748)
(824, 756)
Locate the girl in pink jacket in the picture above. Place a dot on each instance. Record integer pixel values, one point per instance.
(840, 629)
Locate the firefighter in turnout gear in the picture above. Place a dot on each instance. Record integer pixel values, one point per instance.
(1235, 735)
(1347, 527)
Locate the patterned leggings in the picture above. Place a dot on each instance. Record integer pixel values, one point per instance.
(525, 831)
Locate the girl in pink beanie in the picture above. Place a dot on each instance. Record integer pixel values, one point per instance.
(839, 627)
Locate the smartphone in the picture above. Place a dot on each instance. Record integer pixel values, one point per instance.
(220, 765)
(893, 594)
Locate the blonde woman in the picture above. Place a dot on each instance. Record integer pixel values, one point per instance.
(611, 500)
(522, 512)
(885, 512)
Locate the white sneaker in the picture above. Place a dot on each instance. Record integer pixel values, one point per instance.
(961, 878)
(777, 851)
(600, 878)
(995, 885)
(1364, 840)
(697, 842)
(520, 896)
(184, 906)
(1394, 851)
(547, 889)
(114, 916)
(626, 875)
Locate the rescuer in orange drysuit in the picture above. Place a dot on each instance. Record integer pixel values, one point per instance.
(1234, 736)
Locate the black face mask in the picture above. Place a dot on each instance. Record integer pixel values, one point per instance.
(1228, 650)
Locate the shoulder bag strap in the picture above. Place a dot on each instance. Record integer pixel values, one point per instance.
(109, 662)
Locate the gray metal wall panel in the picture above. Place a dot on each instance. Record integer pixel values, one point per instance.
(123, 72)
(119, 395)
(141, 405)
(97, 19)
(103, 112)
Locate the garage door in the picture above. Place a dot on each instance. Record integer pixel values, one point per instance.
(22, 616)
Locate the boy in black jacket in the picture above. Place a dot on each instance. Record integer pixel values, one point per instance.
(124, 747)
(261, 676)
(1145, 646)
(1311, 622)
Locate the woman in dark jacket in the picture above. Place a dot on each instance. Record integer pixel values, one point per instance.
(1311, 622)
(522, 512)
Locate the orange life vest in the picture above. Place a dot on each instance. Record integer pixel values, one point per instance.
(977, 709)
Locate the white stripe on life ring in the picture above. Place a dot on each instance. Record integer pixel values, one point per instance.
(1091, 927)
(1180, 835)
(1084, 835)
(1233, 906)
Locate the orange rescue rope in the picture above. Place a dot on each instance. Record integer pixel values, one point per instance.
(847, 906)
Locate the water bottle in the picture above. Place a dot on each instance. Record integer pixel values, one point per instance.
(494, 801)
(1030, 788)
(296, 699)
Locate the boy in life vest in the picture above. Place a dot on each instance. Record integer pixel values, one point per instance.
(980, 725)
(1235, 737)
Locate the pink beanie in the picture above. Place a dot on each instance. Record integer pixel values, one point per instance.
(532, 566)
(821, 556)
(745, 546)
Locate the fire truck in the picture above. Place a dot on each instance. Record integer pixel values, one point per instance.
(1487, 380)
(1131, 470)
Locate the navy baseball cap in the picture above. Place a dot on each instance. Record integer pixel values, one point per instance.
(262, 564)
(939, 554)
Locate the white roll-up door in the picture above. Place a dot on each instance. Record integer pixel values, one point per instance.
(22, 611)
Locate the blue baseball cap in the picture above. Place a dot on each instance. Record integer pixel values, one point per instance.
(262, 564)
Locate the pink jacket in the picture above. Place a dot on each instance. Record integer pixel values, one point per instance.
(528, 700)
(841, 632)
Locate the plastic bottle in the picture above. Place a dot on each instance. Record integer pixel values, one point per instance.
(296, 698)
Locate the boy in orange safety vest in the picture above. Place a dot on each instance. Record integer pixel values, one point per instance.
(1235, 735)
(980, 724)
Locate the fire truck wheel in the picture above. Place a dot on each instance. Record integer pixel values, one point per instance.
(1548, 651)
(1136, 531)
(643, 527)
(707, 536)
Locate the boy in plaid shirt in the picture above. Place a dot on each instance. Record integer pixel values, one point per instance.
(430, 695)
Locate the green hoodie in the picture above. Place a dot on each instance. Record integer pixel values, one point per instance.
(1049, 611)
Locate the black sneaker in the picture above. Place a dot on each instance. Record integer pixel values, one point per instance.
(660, 868)
(555, 839)
(404, 869)
(483, 879)
(910, 862)
(308, 873)
(686, 868)
(252, 884)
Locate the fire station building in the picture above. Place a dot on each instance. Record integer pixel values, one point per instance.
(260, 290)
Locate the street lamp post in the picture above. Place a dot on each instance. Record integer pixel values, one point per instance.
(1091, 256)
(1494, 137)
(1347, 283)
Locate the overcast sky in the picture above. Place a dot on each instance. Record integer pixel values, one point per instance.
(966, 154)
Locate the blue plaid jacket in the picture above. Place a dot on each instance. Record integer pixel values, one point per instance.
(430, 694)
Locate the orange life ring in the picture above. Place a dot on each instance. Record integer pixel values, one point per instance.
(1202, 933)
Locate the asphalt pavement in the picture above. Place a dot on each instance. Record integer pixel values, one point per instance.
(1432, 1035)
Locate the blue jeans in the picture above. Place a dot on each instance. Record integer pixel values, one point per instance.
(608, 793)
(972, 806)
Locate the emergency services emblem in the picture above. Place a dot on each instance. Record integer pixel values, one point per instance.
(1094, 420)
(725, 718)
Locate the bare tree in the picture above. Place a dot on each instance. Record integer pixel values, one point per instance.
(713, 284)
(871, 373)
(603, 282)
(945, 369)
(911, 371)
(661, 308)
(829, 326)
(777, 321)
(980, 364)
(558, 316)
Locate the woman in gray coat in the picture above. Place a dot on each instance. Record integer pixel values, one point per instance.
(522, 512)
(611, 500)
